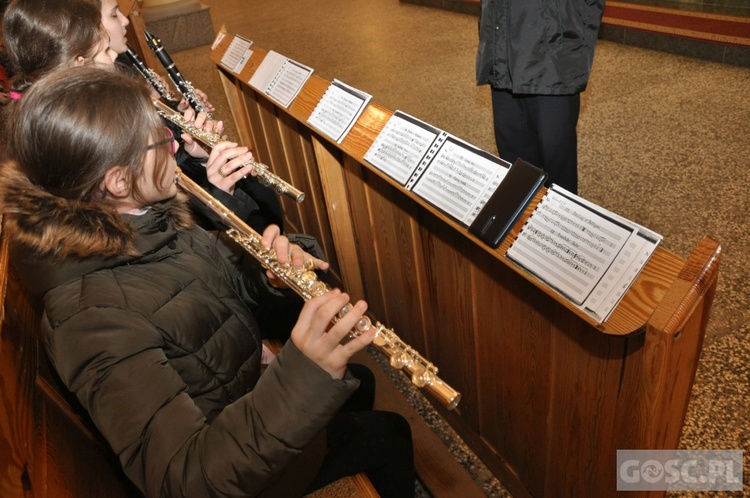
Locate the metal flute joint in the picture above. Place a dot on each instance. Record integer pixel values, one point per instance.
(209, 140)
(305, 282)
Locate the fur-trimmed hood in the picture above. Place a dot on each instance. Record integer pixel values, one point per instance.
(55, 239)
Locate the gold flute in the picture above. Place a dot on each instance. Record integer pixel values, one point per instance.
(260, 170)
(305, 282)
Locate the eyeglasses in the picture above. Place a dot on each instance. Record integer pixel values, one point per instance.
(171, 140)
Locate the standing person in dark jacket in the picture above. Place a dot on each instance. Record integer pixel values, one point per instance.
(537, 55)
(150, 321)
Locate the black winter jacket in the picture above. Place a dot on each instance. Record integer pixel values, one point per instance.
(542, 47)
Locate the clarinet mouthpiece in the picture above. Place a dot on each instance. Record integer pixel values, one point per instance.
(152, 41)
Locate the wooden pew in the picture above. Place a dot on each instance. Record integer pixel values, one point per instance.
(549, 395)
(46, 448)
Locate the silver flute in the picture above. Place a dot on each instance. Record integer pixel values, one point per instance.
(305, 282)
(260, 170)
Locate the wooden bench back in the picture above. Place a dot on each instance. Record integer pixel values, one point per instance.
(48, 450)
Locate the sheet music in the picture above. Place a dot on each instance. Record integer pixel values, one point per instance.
(626, 268)
(237, 54)
(401, 146)
(460, 179)
(280, 78)
(338, 110)
(267, 71)
(289, 82)
(588, 254)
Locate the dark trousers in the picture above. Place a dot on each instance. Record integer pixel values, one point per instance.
(541, 129)
(374, 442)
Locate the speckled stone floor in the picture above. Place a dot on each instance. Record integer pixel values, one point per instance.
(663, 140)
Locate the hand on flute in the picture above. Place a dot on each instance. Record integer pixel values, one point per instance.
(286, 252)
(200, 122)
(227, 164)
(320, 341)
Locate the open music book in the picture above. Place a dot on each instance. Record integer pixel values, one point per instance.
(589, 255)
(280, 78)
(338, 110)
(451, 174)
(237, 54)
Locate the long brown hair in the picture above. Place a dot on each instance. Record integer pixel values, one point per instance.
(72, 126)
(42, 36)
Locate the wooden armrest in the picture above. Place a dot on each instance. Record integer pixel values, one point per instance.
(697, 278)
(357, 486)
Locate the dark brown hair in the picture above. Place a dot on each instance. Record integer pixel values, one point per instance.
(41, 36)
(75, 124)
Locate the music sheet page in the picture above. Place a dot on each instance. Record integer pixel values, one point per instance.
(460, 179)
(586, 253)
(400, 147)
(280, 78)
(267, 71)
(237, 54)
(288, 82)
(338, 110)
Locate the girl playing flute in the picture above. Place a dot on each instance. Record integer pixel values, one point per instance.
(151, 321)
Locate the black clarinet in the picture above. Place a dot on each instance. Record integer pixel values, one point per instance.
(153, 79)
(184, 86)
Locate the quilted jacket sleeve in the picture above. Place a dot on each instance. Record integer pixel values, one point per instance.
(111, 359)
(275, 310)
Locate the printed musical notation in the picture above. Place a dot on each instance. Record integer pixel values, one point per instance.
(442, 169)
(237, 54)
(586, 253)
(288, 83)
(400, 147)
(460, 179)
(338, 110)
(280, 78)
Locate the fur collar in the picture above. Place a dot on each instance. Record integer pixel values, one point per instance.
(65, 229)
